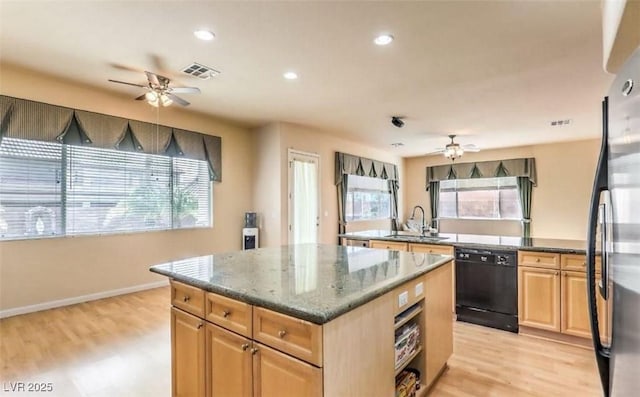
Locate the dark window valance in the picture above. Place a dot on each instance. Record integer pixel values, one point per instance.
(484, 169)
(24, 119)
(354, 165)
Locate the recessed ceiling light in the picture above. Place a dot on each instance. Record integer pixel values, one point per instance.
(383, 39)
(397, 144)
(290, 75)
(204, 35)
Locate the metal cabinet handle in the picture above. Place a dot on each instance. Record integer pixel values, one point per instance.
(557, 273)
(226, 313)
(254, 350)
(282, 333)
(200, 325)
(186, 298)
(244, 346)
(537, 259)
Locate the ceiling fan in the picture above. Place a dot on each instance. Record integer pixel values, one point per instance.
(159, 93)
(454, 150)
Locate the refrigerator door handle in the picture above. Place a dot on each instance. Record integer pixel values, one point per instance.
(604, 271)
(600, 185)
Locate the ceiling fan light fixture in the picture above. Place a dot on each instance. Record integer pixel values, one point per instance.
(151, 96)
(155, 103)
(165, 100)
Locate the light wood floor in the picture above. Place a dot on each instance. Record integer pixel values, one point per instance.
(120, 347)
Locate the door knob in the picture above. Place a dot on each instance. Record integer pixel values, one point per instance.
(254, 350)
(244, 346)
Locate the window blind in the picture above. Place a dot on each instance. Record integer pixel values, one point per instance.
(30, 189)
(49, 189)
(111, 191)
(191, 193)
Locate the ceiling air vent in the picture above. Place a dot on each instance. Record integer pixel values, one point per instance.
(557, 123)
(200, 71)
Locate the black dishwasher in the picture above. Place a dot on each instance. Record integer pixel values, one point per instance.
(487, 288)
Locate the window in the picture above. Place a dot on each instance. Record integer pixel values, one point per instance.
(49, 189)
(367, 199)
(482, 198)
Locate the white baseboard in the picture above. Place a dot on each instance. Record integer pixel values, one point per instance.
(80, 299)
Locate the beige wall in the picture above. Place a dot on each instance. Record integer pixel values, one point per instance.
(267, 183)
(37, 271)
(560, 201)
(306, 139)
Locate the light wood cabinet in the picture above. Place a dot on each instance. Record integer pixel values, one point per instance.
(299, 338)
(539, 298)
(431, 249)
(187, 354)
(279, 375)
(229, 363)
(229, 313)
(440, 250)
(225, 352)
(547, 260)
(575, 310)
(241, 367)
(553, 300)
(188, 298)
(388, 245)
(439, 327)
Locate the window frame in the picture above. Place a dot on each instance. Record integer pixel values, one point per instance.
(456, 190)
(350, 197)
(65, 170)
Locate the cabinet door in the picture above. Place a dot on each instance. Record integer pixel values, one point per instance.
(539, 298)
(388, 245)
(187, 355)
(278, 375)
(228, 364)
(575, 312)
(431, 249)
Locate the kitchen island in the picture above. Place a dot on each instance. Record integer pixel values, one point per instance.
(307, 320)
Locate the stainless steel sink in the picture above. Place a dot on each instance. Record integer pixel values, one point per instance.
(404, 235)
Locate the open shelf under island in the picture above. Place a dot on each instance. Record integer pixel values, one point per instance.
(305, 320)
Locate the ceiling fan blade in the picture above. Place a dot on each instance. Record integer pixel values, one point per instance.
(437, 151)
(124, 82)
(125, 67)
(141, 97)
(472, 149)
(177, 99)
(185, 90)
(153, 78)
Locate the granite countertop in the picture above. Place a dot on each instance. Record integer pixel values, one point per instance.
(478, 241)
(312, 282)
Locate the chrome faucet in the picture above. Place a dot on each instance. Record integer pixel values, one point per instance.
(413, 214)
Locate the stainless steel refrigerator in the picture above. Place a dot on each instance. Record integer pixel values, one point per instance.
(614, 235)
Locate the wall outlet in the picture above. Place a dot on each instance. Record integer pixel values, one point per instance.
(403, 298)
(419, 289)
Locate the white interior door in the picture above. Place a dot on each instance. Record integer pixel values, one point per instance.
(304, 197)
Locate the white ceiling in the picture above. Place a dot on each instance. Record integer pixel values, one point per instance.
(495, 73)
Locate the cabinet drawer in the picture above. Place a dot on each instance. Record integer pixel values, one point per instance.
(408, 294)
(299, 338)
(546, 260)
(388, 245)
(577, 263)
(187, 298)
(229, 313)
(431, 249)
